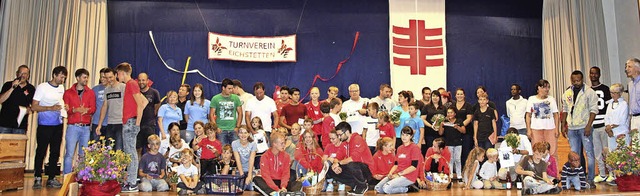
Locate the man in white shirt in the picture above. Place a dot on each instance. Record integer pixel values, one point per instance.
(384, 99)
(516, 110)
(263, 107)
(244, 98)
(355, 108)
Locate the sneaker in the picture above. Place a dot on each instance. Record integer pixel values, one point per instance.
(201, 191)
(329, 187)
(352, 191)
(413, 189)
(361, 190)
(37, 183)
(611, 178)
(599, 178)
(341, 187)
(129, 189)
(591, 185)
(293, 193)
(182, 192)
(554, 190)
(612, 183)
(53, 183)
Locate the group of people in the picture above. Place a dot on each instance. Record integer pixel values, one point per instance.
(379, 142)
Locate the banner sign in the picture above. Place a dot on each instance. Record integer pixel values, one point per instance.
(252, 48)
(417, 44)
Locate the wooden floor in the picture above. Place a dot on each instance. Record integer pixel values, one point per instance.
(563, 149)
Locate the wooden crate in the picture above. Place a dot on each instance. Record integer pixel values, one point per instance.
(11, 176)
(12, 147)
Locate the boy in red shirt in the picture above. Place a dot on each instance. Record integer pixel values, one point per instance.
(274, 167)
(327, 124)
(211, 149)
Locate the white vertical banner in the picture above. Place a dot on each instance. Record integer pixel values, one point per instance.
(417, 45)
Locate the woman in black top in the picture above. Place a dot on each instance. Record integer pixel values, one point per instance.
(428, 111)
(465, 113)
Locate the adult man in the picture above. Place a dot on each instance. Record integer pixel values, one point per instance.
(426, 97)
(149, 114)
(183, 97)
(516, 110)
(99, 92)
(133, 106)
(16, 94)
(600, 137)
(293, 112)
(354, 170)
(244, 97)
(384, 99)
(579, 108)
(47, 101)
(261, 106)
(355, 108)
(80, 103)
(111, 110)
(632, 69)
(275, 173)
(226, 112)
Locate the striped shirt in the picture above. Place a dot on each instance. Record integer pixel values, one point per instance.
(568, 171)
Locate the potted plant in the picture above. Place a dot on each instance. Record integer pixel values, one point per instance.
(102, 168)
(625, 162)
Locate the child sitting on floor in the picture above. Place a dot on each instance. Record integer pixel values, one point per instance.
(489, 170)
(573, 173)
(535, 171)
(189, 178)
(471, 167)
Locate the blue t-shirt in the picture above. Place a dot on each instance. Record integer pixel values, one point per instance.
(244, 152)
(98, 90)
(152, 164)
(415, 124)
(403, 118)
(169, 115)
(197, 112)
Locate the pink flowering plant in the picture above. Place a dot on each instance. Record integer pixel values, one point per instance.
(625, 160)
(101, 163)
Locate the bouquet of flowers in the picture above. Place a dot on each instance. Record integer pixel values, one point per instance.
(343, 116)
(625, 160)
(101, 163)
(394, 116)
(437, 121)
(513, 140)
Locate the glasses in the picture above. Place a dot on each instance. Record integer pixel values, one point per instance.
(339, 134)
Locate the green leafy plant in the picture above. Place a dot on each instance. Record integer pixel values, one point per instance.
(625, 160)
(101, 163)
(513, 140)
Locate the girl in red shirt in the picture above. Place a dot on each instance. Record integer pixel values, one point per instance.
(308, 154)
(386, 128)
(405, 172)
(383, 160)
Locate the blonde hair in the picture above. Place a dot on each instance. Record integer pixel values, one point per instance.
(492, 152)
(382, 142)
(471, 159)
(153, 138)
(334, 89)
(617, 87)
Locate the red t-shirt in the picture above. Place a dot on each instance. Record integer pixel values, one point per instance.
(443, 163)
(206, 152)
(314, 113)
(280, 105)
(326, 126)
(309, 159)
(294, 112)
(337, 152)
(404, 156)
(130, 107)
(382, 164)
(358, 150)
(387, 130)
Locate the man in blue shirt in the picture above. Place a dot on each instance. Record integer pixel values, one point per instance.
(98, 90)
(633, 71)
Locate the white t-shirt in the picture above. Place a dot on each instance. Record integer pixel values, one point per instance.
(187, 172)
(373, 134)
(48, 95)
(542, 112)
(263, 109)
(353, 116)
(524, 145)
(384, 105)
(244, 99)
(516, 110)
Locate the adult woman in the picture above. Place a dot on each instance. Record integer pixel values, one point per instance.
(428, 111)
(617, 118)
(405, 172)
(308, 155)
(196, 109)
(244, 150)
(169, 113)
(465, 112)
(403, 107)
(542, 117)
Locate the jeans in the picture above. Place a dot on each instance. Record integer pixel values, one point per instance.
(576, 140)
(94, 136)
(613, 144)
(114, 131)
(148, 185)
(227, 136)
(76, 135)
(573, 181)
(47, 136)
(7, 130)
(393, 186)
(600, 143)
(129, 133)
(456, 152)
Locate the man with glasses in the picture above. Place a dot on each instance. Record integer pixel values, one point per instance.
(355, 108)
(354, 170)
(16, 94)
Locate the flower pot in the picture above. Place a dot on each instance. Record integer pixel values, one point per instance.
(108, 188)
(173, 187)
(628, 183)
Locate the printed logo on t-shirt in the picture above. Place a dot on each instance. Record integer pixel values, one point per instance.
(153, 166)
(226, 110)
(402, 156)
(114, 95)
(542, 110)
(333, 155)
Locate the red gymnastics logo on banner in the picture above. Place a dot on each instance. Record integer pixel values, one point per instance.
(251, 48)
(418, 47)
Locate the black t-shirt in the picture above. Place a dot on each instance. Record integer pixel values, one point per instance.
(19, 97)
(149, 117)
(477, 106)
(453, 137)
(462, 113)
(183, 122)
(603, 95)
(485, 126)
(430, 111)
